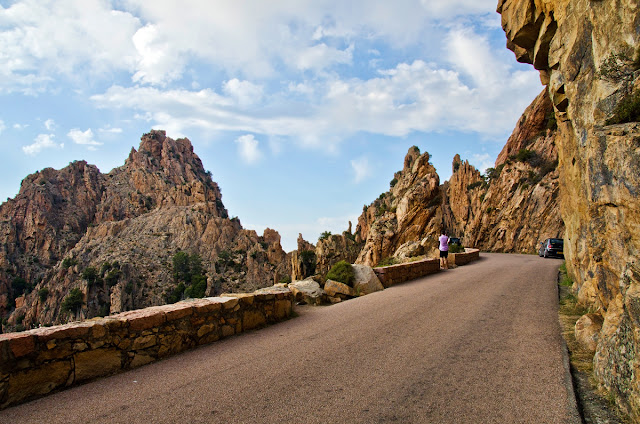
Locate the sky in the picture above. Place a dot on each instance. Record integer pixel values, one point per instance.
(301, 109)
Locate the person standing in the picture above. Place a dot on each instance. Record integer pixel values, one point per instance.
(444, 250)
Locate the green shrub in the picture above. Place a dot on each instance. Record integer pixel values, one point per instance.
(474, 185)
(43, 293)
(525, 155)
(128, 289)
(69, 262)
(388, 261)
(343, 273)
(73, 302)
(112, 277)
(90, 275)
(627, 110)
(285, 280)
(393, 182)
(552, 123)
(325, 235)
(175, 295)
(198, 287)
(19, 286)
(308, 258)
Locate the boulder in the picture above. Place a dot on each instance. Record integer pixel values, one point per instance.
(587, 331)
(307, 291)
(338, 289)
(367, 281)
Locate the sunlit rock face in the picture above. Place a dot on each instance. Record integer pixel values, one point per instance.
(127, 225)
(585, 51)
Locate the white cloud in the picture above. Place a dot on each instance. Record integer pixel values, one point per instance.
(20, 126)
(321, 56)
(481, 161)
(243, 92)
(49, 124)
(156, 41)
(361, 168)
(2, 126)
(248, 148)
(110, 129)
(43, 39)
(42, 141)
(84, 138)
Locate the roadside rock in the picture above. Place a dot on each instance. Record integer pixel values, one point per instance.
(366, 281)
(308, 291)
(587, 331)
(338, 289)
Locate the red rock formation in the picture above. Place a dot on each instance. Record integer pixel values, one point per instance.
(127, 225)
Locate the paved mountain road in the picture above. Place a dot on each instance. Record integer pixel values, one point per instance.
(476, 344)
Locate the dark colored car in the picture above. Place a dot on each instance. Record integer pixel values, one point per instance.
(454, 240)
(552, 247)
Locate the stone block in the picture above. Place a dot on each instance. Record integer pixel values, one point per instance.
(334, 288)
(20, 344)
(144, 342)
(145, 319)
(96, 363)
(283, 309)
(228, 330)
(178, 310)
(76, 330)
(140, 360)
(206, 329)
(38, 381)
(253, 319)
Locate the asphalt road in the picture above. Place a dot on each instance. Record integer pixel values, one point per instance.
(476, 344)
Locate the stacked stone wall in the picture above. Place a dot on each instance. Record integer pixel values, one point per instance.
(469, 255)
(37, 362)
(394, 274)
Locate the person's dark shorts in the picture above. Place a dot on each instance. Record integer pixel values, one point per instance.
(444, 253)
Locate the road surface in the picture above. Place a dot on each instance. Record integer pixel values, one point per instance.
(477, 344)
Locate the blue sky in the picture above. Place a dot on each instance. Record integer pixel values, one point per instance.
(301, 109)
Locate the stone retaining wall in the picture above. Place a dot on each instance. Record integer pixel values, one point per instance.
(394, 274)
(469, 255)
(37, 362)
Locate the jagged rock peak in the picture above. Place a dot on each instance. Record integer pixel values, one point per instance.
(412, 156)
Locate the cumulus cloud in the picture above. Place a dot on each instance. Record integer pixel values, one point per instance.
(42, 141)
(110, 129)
(361, 168)
(49, 124)
(244, 93)
(84, 138)
(43, 39)
(155, 41)
(481, 161)
(248, 148)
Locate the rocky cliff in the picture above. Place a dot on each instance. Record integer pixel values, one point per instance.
(510, 209)
(114, 236)
(587, 53)
(403, 222)
(515, 205)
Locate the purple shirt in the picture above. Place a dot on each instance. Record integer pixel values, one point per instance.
(444, 243)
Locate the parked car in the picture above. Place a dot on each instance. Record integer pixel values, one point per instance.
(454, 240)
(551, 247)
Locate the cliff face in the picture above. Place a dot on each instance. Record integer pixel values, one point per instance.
(127, 225)
(516, 207)
(403, 222)
(511, 209)
(587, 55)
